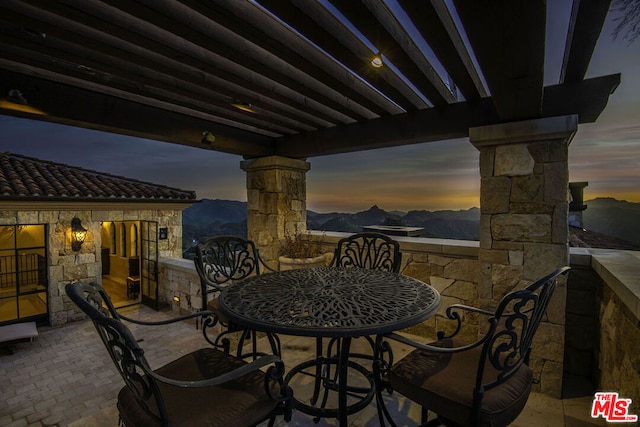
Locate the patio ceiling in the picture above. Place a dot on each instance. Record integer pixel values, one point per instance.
(171, 70)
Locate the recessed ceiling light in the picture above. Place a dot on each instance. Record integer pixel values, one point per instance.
(207, 137)
(244, 106)
(376, 61)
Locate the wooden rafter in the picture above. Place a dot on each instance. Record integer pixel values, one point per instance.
(171, 69)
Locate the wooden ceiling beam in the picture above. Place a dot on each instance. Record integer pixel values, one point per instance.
(180, 41)
(376, 22)
(436, 25)
(101, 69)
(238, 54)
(141, 52)
(508, 39)
(288, 51)
(314, 22)
(105, 112)
(585, 26)
(172, 20)
(434, 124)
(587, 99)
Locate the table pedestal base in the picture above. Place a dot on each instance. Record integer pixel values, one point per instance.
(332, 375)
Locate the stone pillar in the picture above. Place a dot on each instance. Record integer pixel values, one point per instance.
(276, 196)
(523, 224)
(577, 206)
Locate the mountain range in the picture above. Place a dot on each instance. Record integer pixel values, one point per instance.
(608, 216)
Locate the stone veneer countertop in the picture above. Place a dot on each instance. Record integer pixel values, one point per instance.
(619, 269)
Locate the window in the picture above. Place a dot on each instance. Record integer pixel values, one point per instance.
(136, 250)
(23, 273)
(123, 240)
(112, 235)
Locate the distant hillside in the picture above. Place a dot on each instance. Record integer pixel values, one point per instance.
(212, 218)
(617, 218)
(462, 225)
(208, 211)
(217, 217)
(606, 216)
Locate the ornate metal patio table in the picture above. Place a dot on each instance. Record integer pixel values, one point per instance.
(330, 302)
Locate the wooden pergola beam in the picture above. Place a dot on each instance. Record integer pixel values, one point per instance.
(587, 99)
(89, 108)
(508, 38)
(585, 26)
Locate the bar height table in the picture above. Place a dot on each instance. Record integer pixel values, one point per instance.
(327, 302)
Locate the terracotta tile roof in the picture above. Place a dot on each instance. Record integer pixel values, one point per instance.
(29, 178)
(582, 238)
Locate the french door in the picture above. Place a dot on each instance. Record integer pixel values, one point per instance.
(149, 263)
(23, 274)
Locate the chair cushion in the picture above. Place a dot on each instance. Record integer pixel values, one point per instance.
(444, 383)
(239, 402)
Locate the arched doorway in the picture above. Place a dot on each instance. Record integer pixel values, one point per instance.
(121, 261)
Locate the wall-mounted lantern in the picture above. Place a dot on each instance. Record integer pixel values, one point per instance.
(78, 234)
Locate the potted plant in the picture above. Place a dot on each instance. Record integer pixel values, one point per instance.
(301, 250)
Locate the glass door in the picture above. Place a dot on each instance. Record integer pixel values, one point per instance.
(23, 274)
(149, 263)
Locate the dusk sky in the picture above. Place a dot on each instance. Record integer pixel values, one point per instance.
(431, 176)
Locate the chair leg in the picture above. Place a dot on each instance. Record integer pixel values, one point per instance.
(383, 412)
(274, 342)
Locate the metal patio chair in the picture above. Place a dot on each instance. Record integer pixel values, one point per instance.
(484, 383)
(220, 261)
(368, 250)
(206, 387)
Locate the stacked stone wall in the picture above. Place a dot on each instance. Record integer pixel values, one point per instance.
(452, 270)
(456, 279)
(523, 225)
(276, 202)
(619, 349)
(66, 265)
(582, 331)
(179, 278)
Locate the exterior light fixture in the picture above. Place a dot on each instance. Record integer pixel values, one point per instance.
(376, 61)
(78, 234)
(16, 97)
(243, 106)
(207, 138)
(15, 101)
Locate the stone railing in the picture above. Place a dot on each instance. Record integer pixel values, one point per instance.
(177, 277)
(618, 279)
(450, 266)
(603, 302)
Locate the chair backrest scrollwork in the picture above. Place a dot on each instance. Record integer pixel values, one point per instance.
(368, 250)
(223, 259)
(122, 346)
(513, 327)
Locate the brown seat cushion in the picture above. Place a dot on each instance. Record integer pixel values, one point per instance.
(444, 384)
(237, 403)
(213, 306)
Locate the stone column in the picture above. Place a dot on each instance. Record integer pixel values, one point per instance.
(523, 224)
(276, 196)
